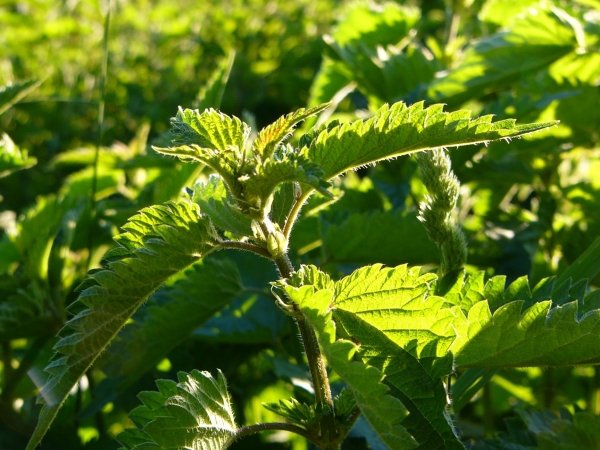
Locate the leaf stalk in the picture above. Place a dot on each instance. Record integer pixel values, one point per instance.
(293, 215)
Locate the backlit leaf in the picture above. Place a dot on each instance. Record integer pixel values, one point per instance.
(400, 129)
(157, 243)
(195, 413)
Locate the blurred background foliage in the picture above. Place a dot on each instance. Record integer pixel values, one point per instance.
(529, 208)
(160, 54)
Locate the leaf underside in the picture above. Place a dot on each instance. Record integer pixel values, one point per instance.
(170, 316)
(157, 243)
(547, 326)
(413, 356)
(195, 413)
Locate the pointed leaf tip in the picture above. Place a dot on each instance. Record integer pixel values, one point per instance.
(400, 129)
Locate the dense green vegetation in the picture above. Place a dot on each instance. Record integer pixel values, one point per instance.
(352, 184)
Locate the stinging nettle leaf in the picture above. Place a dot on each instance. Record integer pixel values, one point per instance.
(399, 130)
(212, 138)
(284, 198)
(376, 24)
(160, 241)
(517, 326)
(384, 412)
(410, 335)
(406, 334)
(284, 166)
(35, 232)
(547, 430)
(307, 416)
(270, 137)
(195, 413)
(355, 43)
(217, 203)
(388, 74)
(534, 41)
(170, 316)
(542, 336)
(210, 129)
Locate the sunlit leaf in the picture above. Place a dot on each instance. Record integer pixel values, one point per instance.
(384, 412)
(270, 137)
(195, 413)
(12, 158)
(400, 129)
(531, 44)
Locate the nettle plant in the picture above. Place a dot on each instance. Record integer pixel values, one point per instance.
(392, 335)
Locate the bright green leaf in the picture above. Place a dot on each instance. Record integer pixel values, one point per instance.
(12, 158)
(376, 24)
(405, 334)
(270, 137)
(218, 204)
(212, 138)
(388, 74)
(400, 129)
(531, 44)
(195, 413)
(384, 412)
(169, 317)
(284, 166)
(539, 327)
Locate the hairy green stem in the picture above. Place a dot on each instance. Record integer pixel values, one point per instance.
(316, 362)
(284, 265)
(273, 426)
